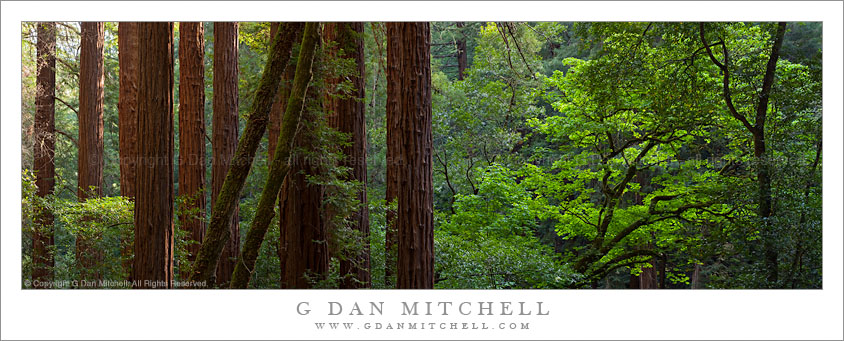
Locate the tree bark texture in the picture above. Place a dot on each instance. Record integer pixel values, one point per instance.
(394, 90)
(192, 132)
(224, 135)
(303, 227)
(347, 114)
(280, 166)
(415, 229)
(44, 149)
(91, 82)
(276, 115)
(153, 264)
(217, 234)
(127, 105)
(90, 156)
(127, 120)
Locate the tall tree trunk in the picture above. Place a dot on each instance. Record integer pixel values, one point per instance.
(303, 237)
(764, 169)
(280, 166)
(90, 165)
(695, 283)
(394, 91)
(276, 115)
(153, 264)
(224, 136)
(192, 132)
(415, 262)
(127, 105)
(757, 130)
(127, 121)
(218, 233)
(347, 115)
(44, 150)
(462, 60)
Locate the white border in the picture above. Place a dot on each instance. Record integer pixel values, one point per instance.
(262, 314)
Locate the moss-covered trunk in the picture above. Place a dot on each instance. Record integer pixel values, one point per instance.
(348, 115)
(217, 233)
(279, 166)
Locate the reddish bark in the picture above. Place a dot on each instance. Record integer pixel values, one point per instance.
(276, 116)
(303, 247)
(394, 91)
(414, 223)
(153, 262)
(224, 136)
(90, 156)
(127, 105)
(44, 149)
(347, 114)
(192, 132)
(127, 120)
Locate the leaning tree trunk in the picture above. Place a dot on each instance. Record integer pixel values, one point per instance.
(217, 234)
(192, 133)
(127, 121)
(303, 229)
(224, 135)
(44, 150)
(276, 115)
(90, 158)
(347, 115)
(280, 167)
(153, 264)
(415, 262)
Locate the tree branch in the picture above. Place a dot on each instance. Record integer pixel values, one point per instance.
(728, 97)
(68, 105)
(68, 136)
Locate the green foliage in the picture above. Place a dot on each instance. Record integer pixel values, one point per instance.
(511, 262)
(106, 222)
(569, 155)
(489, 244)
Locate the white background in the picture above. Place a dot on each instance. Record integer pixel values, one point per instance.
(271, 314)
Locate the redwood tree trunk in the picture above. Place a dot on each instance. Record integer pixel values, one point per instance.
(276, 116)
(127, 105)
(415, 229)
(192, 132)
(394, 90)
(303, 231)
(280, 167)
(44, 150)
(90, 158)
(348, 115)
(127, 121)
(462, 61)
(153, 264)
(224, 136)
(217, 234)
